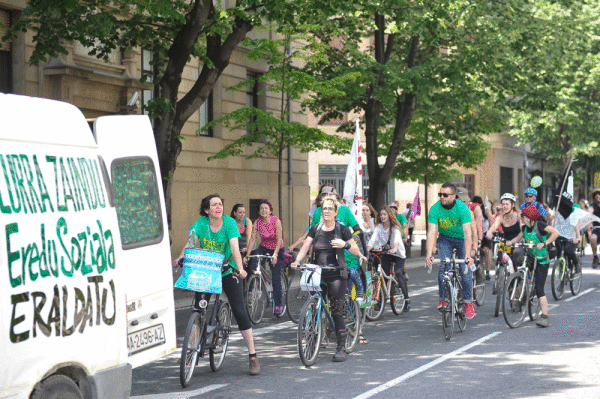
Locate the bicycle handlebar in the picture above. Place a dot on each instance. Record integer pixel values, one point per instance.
(328, 267)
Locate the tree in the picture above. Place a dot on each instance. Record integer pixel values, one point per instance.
(416, 58)
(557, 90)
(176, 31)
(274, 130)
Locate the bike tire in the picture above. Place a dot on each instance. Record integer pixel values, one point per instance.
(352, 317)
(557, 280)
(309, 332)
(500, 280)
(479, 292)
(397, 299)
(461, 317)
(218, 351)
(514, 307)
(190, 348)
(295, 298)
(448, 312)
(284, 288)
(256, 298)
(533, 307)
(375, 310)
(575, 283)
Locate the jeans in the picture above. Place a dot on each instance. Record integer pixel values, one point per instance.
(275, 270)
(445, 246)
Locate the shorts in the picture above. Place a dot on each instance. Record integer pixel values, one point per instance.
(485, 243)
(596, 231)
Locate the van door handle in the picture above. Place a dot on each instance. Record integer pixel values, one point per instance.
(134, 323)
(154, 316)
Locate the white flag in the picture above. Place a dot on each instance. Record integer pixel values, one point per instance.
(583, 217)
(353, 190)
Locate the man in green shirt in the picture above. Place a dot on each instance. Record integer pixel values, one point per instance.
(451, 219)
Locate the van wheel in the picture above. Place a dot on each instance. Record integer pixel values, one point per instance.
(56, 387)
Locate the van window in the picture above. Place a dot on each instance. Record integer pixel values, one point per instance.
(137, 201)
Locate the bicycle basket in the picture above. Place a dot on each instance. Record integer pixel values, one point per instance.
(201, 271)
(311, 278)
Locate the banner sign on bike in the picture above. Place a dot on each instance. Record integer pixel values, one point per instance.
(311, 278)
(201, 271)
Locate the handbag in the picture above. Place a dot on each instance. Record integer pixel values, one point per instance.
(310, 280)
(201, 271)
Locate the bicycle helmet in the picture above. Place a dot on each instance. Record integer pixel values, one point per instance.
(532, 191)
(508, 196)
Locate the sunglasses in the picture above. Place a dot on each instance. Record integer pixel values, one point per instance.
(529, 196)
(445, 195)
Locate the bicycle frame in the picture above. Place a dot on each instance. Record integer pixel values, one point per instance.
(262, 273)
(526, 274)
(210, 328)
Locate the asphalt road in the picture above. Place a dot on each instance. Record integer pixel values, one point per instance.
(407, 356)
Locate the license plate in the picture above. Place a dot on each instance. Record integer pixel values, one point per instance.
(145, 339)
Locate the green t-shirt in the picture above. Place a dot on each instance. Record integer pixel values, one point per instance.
(530, 237)
(345, 218)
(218, 241)
(450, 221)
(402, 220)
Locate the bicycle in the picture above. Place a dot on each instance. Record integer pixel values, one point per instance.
(315, 321)
(562, 273)
(259, 290)
(384, 286)
(518, 291)
(503, 271)
(453, 309)
(479, 288)
(201, 335)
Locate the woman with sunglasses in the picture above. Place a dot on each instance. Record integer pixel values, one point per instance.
(327, 238)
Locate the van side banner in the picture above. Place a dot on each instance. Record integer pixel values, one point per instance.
(59, 265)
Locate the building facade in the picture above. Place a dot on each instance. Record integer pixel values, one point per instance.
(99, 88)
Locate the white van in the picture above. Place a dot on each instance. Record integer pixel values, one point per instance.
(85, 270)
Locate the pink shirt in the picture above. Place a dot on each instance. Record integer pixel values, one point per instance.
(268, 232)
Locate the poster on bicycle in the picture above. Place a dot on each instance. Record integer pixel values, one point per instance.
(201, 271)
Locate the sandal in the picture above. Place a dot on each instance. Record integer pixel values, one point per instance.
(362, 340)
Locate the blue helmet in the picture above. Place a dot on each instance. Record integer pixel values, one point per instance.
(532, 191)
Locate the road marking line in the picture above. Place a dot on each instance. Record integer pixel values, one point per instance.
(580, 294)
(181, 395)
(425, 367)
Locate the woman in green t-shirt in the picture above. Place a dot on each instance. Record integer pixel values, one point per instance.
(218, 232)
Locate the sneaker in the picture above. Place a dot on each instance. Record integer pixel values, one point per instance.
(340, 355)
(487, 275)
(442, 304)
(254, 367)
(406, 306)
(595, 262)
(469, 310)
(278, 310)
(543, 321)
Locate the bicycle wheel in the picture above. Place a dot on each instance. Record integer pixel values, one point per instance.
(397, 299)
(309, 332)
(221, 340)
(479, 292)
(256, 298)
(533, 307)
(352, 318)
(514, 300)
(575, 281)
(190, 349)
(557, 279)
(295, 298)
(461, 317)
(283, 295)
(448, 311)
(500, 279)
(375, 310)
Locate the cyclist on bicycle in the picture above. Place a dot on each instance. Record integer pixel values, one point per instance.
(329, 239)
(388, 239)
(404, 232)
(218, 232)
(537, 232)
(269, 228)
(244, 225)
(595, 209)
(570, 236)
(508, 219)
(453, 221)
(530, 200)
